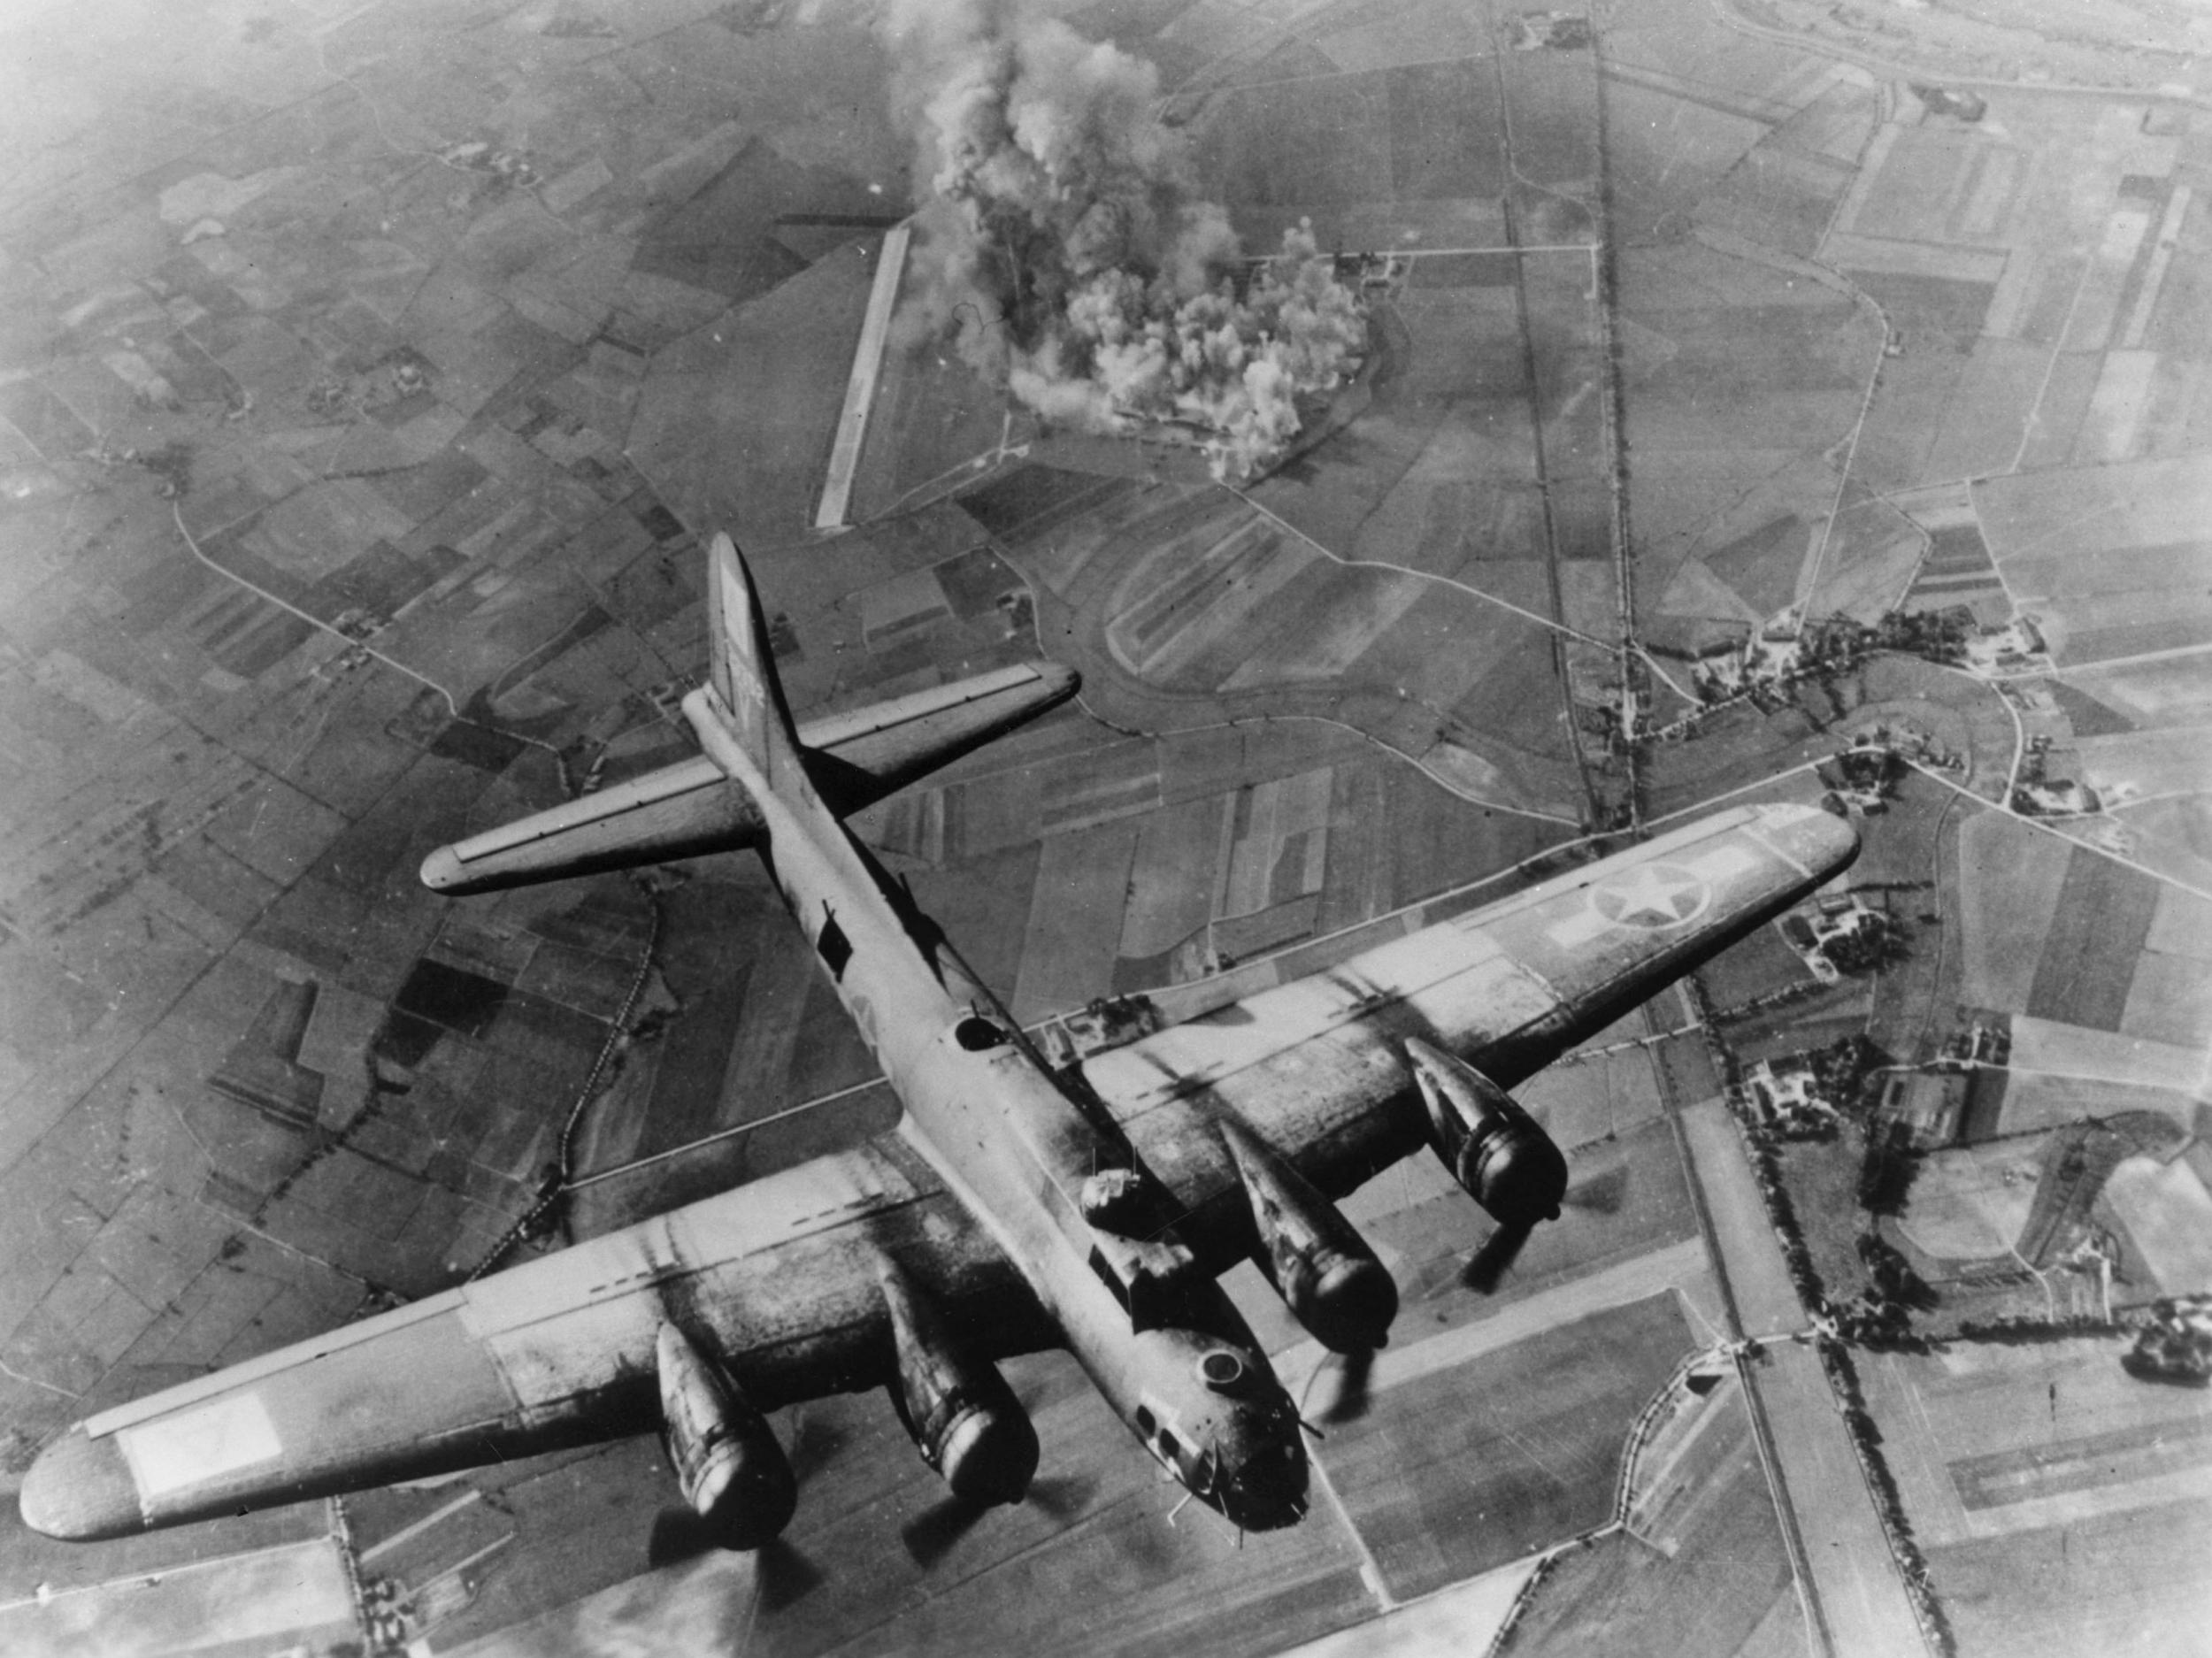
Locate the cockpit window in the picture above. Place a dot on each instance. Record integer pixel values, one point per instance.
(1171, 1447)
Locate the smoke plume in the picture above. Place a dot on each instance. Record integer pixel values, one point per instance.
(1065, 245)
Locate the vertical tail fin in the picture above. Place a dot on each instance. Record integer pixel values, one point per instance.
(753, 711)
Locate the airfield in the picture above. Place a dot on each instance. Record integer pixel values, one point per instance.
(370, 376)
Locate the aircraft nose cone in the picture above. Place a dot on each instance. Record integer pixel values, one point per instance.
(81, 1489)
(1267, 1491)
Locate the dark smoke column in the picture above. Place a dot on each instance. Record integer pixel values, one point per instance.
(1064, 243)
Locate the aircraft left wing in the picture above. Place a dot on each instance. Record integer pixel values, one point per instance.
(1320, 1069)
(781, 1280)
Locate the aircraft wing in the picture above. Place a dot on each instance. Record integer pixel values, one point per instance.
(1317, 1068)
(692, 807)
(779, 1278)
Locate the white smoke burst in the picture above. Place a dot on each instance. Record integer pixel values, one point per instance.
(1066, 244)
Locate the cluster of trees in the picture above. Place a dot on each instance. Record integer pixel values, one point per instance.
(2176, 1346)
(1939, 635)
(1866, 1439)
(1881, 1315)
(1843, 1071)
(1886, 1173)
(1842, 1088)
(1875, 771)
(1879, 940)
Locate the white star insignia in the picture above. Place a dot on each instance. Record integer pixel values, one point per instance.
(1653, 895)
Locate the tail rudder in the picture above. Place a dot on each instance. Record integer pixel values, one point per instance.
(743, 668)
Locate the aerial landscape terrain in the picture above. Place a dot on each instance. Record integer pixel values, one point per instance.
(1696, 403)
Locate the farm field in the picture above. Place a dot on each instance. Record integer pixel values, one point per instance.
(1700, 1567)
(1997, 1464)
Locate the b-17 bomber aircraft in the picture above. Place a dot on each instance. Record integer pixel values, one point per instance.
(1016, 1206)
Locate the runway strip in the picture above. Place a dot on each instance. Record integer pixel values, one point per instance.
(860, 390)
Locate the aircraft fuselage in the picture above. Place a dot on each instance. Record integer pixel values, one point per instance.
(1188, 1377)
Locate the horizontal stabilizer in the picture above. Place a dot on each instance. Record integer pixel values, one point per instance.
(691, 809)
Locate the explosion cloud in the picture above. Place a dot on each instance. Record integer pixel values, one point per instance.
(1064, 243)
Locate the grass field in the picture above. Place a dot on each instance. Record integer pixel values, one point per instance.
(2096, 937)
(1583, 1100)
(1735, 746)
(2129, 529)
(2032, 1102)
(1075, 919)
(2073, 1050)
(2060, 1501)
(2009, 877)
(2182, 925)
(2167, 1216)
(1718, 1583)
(1626, 1199)
(2126, 1581)
(1450, 391)
(2169, 999)
(1971, 1204)
(1455, 1472)
(1762, 964)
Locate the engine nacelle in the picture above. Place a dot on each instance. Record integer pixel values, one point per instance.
(1494, 1148)
(957, 1408)
(1319, 1264)
(730, 1467)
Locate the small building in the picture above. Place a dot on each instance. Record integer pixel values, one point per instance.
(1929, 1105)
(1785, 1093)
(1959, 105)
(2055, 799)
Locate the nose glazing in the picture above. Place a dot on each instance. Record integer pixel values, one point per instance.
(1267, 1491)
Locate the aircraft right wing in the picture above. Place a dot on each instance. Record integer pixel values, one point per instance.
(781, 1280)
(1327, 1070)
(691, 808)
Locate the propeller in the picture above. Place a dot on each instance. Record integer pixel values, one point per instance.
(1062, 1498)
(785, 1574)
(1354, 1370)
(1485, 1268)
(681, 1534)
(782, 1573)
(931, 1535)
(1601, 1194)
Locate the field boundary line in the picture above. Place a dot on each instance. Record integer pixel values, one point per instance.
(1330, 554)
(2121, 858)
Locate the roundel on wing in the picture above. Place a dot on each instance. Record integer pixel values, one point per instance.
(1652, 896)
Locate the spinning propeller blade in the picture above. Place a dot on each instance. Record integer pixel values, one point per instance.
(1486, 1268)
(1354, 1371)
